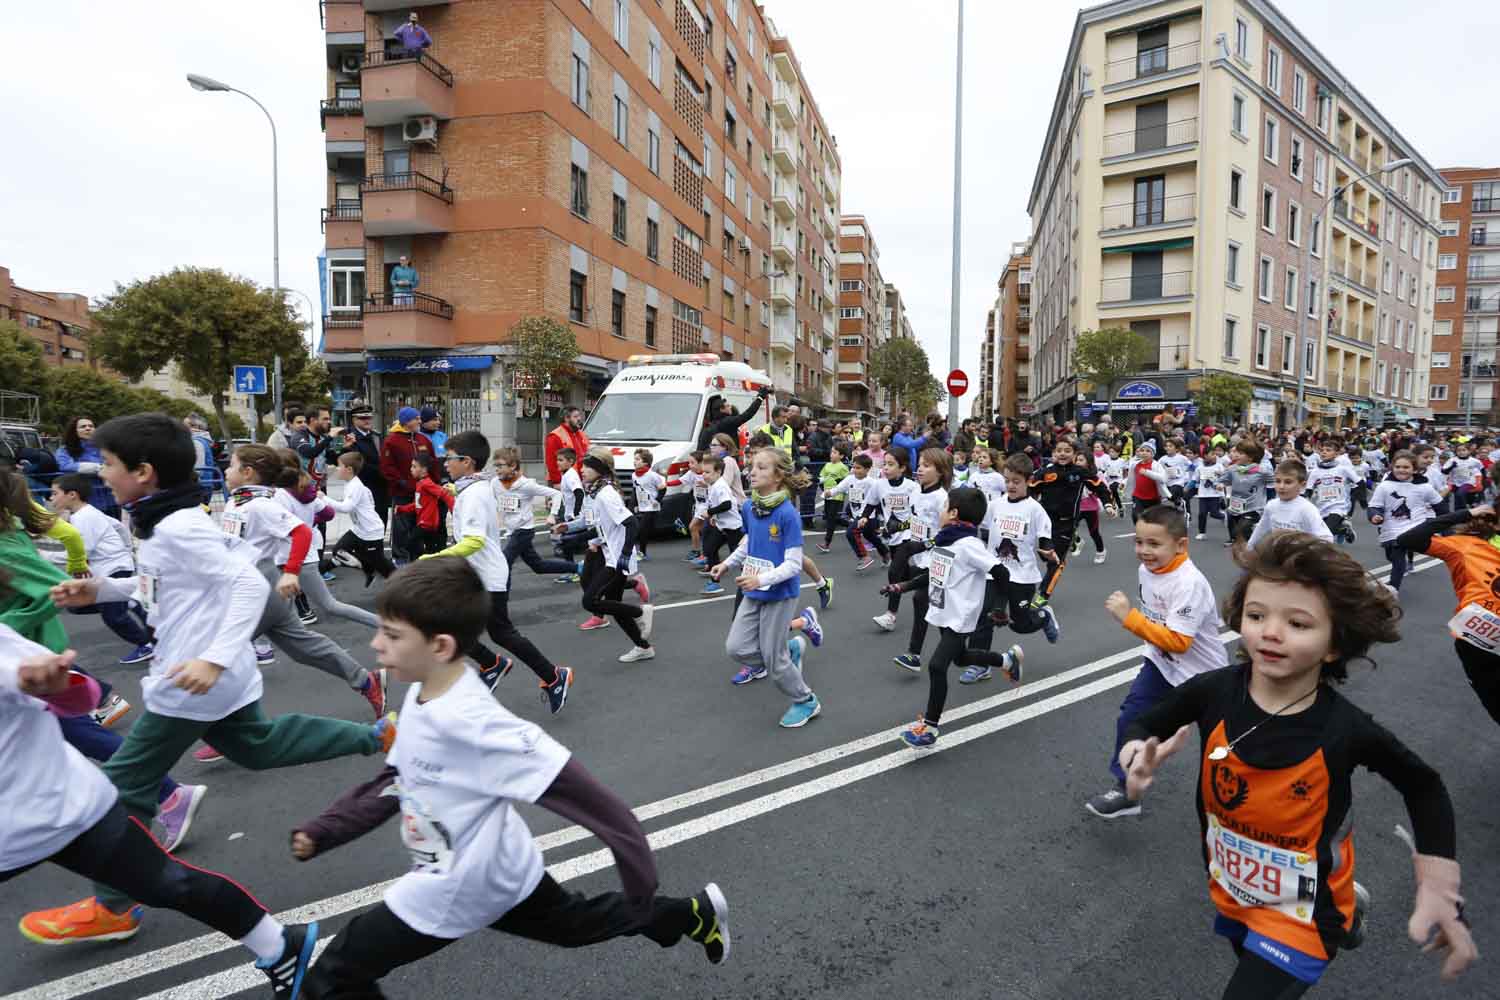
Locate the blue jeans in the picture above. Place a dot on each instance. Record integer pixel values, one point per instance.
(1398, 556)
(1148, 688)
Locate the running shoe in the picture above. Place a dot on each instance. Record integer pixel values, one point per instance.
(1038, 601)
(641, 589)
(973, 675)
(1100, 556)
(919, 735)
(642, 557)
(264, 652)
(1050, 627)
(1112, 805)
(593, 622)
(825, 593)
(492, 674)
(711, 923)
(556, 693)
(310, 618)
(1349, 532)
(682, 529)
(1199, 537)
(865, 564)
(800, 713)
(636, 653)
(710, 588)
(1077, 545)
(1355, 935)
(795, 647)
(207, 755)
(113, 710)
(648, 616)
(824, 548)
(700, 562)
(692, 557)
(175, 816)
(287, 972)
(1013, 657)
(908, 661)
(373, 690)
(887, 621)
(84, 920)
(139, 654)
(385, 732)
(747, 674)
(811, 627)
(568, 578)
(329, 576)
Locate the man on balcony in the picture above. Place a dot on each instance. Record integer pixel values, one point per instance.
(404, 281)
(413, 38)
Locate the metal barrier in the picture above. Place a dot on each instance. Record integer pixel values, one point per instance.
(103, 498)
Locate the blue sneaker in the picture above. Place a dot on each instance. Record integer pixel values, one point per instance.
(139, 654)
(329, 576)
(699, 563)
(568, 578)
(747, 674)
(796, 645)
(973, 675)
(710, 588)
(1050, 628)
(556, 693)
(692, 557)
(812, 628)
(287, 972)
(825, 593)
(919, 735)
(908, 661)
(800, 713)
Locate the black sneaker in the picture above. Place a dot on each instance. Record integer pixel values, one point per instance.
(287, 972)
(492, 674)
(711, 922)
(1112, 805)
(556, 693)
(1355, 935)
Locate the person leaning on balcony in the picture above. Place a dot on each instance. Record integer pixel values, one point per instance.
(404, 281)
(413, 37)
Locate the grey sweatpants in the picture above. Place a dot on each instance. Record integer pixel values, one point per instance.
(310, 579)
(280, 624)
(757, 638)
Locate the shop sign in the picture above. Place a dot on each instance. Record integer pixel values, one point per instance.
(448, 363)
(1140, 390)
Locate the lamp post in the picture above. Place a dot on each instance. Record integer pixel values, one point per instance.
(958, 197)
(208, 84)
(1336, 194)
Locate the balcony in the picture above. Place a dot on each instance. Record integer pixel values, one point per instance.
(1152, 62)
(1166, 138)
(1481, 206)
(347, 113)
(784, 199)
(1147, 213)
(1482, 304)
(1482, 237)
(1139, 289)
(396, 86)
(784, 246)
(406, 203)
(1023, 352)
(1346, 272)
(1356, 218)
(343, 225)
(784, 337)
(783, 291)
(402, 5)
(1489, 272)
(412, 320)
(783, 152)
(784, 104)
(1480, 370)
(1023, 318)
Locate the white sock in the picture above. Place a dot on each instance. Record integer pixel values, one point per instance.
(265, 939)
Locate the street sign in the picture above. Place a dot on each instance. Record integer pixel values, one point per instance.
(958, 382)
(250, 379)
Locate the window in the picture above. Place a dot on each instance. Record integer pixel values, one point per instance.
(1294, 223)
(1325, 111)
(1448, 227)
(622, 23)
(729, 180)
(1443, 328)
(1405, 237)
(1452, 196)
(1296, 164)
(1230, 326)
(1401, 285)
(348, 280)
(1289, 289)
(650, 326)
(851, 285)
(1268, 209)
(1237, 115)
(653, 61)
(1385, 279)
(1267, 283)
(1232, 264)
(1271, 149)
(1385, 328)
(1438, 392)
(1312, 298)
(1242, 39)
(653, 152)
(1310, 359)
(1273, 69)
(1380, 378)
(581, 82)
(851, 312)
(1315, 240)
(1320, 173)
(1299, 91)
(580, 191)
(1288, 354)
(1236, 190)
(622, 121)
(577, 282)
(732, 8)
(653, 239)
(620, 227)
(1445, 293)
(1150, 200)
(1411, 335)
(1447, 261)
(1263, 346)
(617, 313)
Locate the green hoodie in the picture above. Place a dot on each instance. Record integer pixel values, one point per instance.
(832, 474)
(26, 601)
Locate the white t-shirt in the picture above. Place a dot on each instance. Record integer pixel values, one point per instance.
(720, 493)
(105, 541)
(956, 578)
(359, 504)
(463, 760)
(927, 509)
(1405, 505)
(611, 512)
(1330, 487)
(991, 484)
(695, 482)
(1466, 472)
(1296, 514)
(516, 502)
(306, 513)
(1015, 527)
(571, 483)
(1183, 601)
(1436, 477)
(50, 794)
(474, 514)
(895, 506)
(647, 487)
(853, 490)
(1211, 478)
(262, 527)
(1176, 467)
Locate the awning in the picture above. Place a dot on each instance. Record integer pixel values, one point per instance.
(1179, 244)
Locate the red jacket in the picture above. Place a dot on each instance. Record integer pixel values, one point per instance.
(429, 510)
(563, 436)
(396, 454)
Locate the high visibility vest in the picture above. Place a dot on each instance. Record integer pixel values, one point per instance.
(783, 440)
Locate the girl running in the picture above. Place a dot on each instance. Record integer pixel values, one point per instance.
(1278, 745)
(1401, 502)
(888, 508)
(1089, 508)
(929, 508)
(612, 562)
(303, 502)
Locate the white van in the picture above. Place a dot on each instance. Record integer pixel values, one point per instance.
(660, 402)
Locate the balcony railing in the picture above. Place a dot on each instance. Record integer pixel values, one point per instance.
(345, 319)
(1480, 370)
(1488, 272)
(338, 107)
(1146, 287)
(1148, 212)
(1356, 217)
(1151, 62)
(407, 180)
(1490, 204)
(1484, 238)
(1152, 137)
(1477, 304)
(420, 57)
(420, 302)
(344, 211)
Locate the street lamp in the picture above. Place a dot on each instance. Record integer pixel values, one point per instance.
(958, 183)
(1336, 194)
(210, 85)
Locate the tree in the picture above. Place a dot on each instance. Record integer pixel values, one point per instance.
(924, 399)
(545, 352)
(23, 367)
(1223, 397)
(901, 366)
(305, 379)
(82, 392)
(202, 319)
(1106, 356)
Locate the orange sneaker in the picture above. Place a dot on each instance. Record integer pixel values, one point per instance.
(84, 920)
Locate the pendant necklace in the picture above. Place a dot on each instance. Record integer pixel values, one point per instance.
(1220, 753)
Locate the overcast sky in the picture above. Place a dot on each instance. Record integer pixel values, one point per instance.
(115, 169)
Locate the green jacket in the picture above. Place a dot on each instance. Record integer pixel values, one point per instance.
(26, 600)
(832, 474)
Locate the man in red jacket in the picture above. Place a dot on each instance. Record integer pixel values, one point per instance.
(403, 442)
(568, 434)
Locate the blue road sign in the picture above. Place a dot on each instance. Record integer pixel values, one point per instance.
(250, 379)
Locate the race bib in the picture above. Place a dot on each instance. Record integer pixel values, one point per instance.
(425, 838)
(759, 566)
(700, 494)
(1257, 874)
(145, 590)
(1476, 626)
(898, 504)
(1174, 475)
(1237, 504)
(645, 500)
(1330, 492)
(233, 524)
(856, 497)
(510, 505)
(937, 579)
(1012, 527)
(591, 517)
(920, 532)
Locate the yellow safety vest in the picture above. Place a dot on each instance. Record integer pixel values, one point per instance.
(783, 440)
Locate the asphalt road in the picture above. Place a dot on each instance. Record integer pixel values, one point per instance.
(853, 866)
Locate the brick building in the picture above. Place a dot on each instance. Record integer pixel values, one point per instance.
(1005, 354)
(656, 175)
(1467, 327)
(862, 323)
(59, 321)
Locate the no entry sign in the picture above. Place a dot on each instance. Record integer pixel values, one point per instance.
(958, 382)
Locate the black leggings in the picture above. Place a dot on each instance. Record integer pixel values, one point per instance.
(118, 852)
(603, 586)
(919, 604)
(715, 537)
(899, 571)
(378, 942)
(833, 519)
(371, 554)
(861, 540)
(1209, 507)
(1483, 671)
(646, 521)
(1242, 526)
(1091, 518)
(1062, 545)
(951, 649)
(1139, 506)
(1256, 979)
(504, 633)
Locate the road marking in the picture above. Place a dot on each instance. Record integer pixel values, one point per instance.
(151, 963)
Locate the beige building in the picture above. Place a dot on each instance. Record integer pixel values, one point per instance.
(1210, 181)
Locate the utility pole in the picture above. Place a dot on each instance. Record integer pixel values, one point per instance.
(958, 189)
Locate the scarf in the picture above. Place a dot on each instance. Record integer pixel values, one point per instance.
(465, 482)
(764, 504)
(953, 532)
(244, 494)
(307, 494)
(148, 511)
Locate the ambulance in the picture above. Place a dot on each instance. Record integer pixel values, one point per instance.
(660, 402)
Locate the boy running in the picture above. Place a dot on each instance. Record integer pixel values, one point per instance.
(1290, 511)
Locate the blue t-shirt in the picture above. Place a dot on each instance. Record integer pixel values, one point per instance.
(769, 538)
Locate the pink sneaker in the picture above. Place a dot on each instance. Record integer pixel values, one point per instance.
(175, 816)
(642, 591)
(594, 622)
(207, 754)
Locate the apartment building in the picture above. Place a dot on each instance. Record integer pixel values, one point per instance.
(655, 173)
(1467, 325)
(58, 321)
(1211, 181)
(864, 321)
(1005, 355)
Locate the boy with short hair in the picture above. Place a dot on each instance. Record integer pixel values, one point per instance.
(725, 522)
(1465, 477)
(1059, 487)
(568, 507)
(1021, 535)
(1290, 511)
(430, 503)
(694, 481)
(1178, 467)
(851, 492)
(833, 473)
(366, 535)
(650, 486)
(107, 544)
(454, 779)
(1212, 471)
(1331, 483)
(1248, 482)
(515, 495)
(1178, 620)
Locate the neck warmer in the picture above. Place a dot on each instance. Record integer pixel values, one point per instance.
(897, 481)
(148, 511)
(764, 504)
(465, 482)
(955, 531)
(244, 494)
(307, 494)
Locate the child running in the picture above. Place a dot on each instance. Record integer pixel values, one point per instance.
(650, 486)
(694, 481)
(309, 578)
(1021, 535)
(106, 542)
(854, 489)
(203, 599)
(1212, 474)
(725, 524)
(1290, 511)
(366, 535)
(928, 510)
(429, 504)
(888, 508)
(771, 557)
(1331, 483)
(570, 508)
(1059, 487)
(1249, 481)
(1179, 623)
(515, 496)
(1089, 507)
(1400, 503)
(1146, 479)
(454, 774)
(830, 478)
(1278, 746)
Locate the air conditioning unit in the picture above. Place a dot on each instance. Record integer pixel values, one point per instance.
(744, 245)
(349, 62)
(422, 128)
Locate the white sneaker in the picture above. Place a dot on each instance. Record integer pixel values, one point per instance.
(886, 621)
(637, 653)
(1100, 556)
(648, 615)
(1199, 537)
